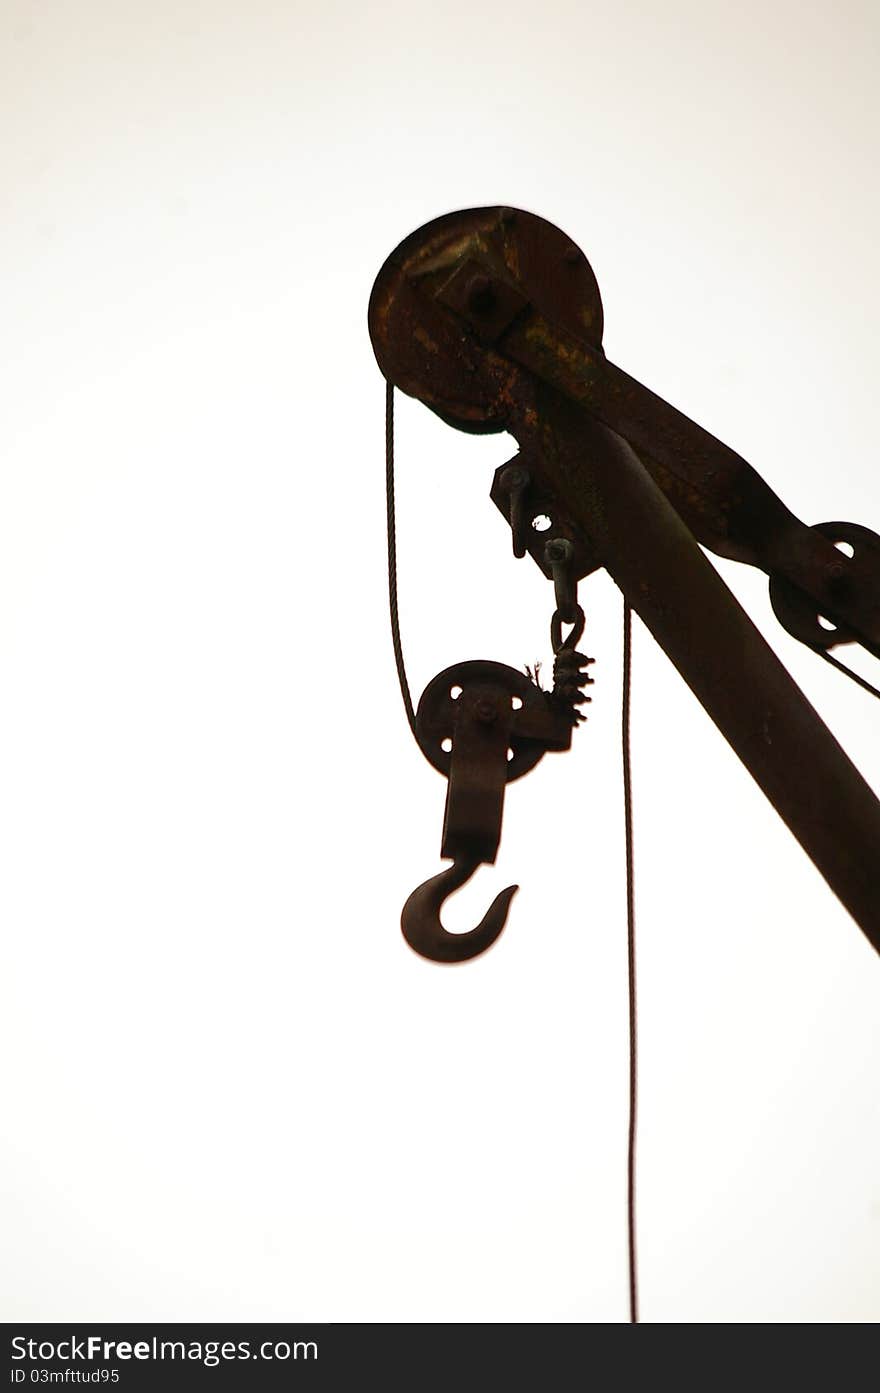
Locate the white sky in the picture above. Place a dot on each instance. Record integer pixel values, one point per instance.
(230, 1091)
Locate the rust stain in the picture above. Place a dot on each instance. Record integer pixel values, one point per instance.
(425, 339)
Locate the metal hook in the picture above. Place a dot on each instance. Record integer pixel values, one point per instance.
(420, 920)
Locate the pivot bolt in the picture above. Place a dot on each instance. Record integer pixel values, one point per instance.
(836, 578)
(480, 295)
(558, 551)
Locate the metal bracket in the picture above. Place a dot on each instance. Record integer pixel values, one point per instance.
(535, 516)
(488, 304)
(644, 484)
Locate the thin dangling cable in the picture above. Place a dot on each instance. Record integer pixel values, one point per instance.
(847, 671)
(627, 797)
(631, 958)
(392, 556)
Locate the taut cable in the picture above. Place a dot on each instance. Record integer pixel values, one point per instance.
(631, 958)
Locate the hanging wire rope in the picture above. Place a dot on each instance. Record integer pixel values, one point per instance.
(392, 556)
(631, 963)
(847, 671)
(627, 800)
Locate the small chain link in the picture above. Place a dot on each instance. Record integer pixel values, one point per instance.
(569, 666)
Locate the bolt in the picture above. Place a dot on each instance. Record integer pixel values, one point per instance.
(486, 711)
(514, 477)
(559, 549)
(572, 254)
(480, 295)
(836, 578)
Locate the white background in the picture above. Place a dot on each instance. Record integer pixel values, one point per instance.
(229, 1090)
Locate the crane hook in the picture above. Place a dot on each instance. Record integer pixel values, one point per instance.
(420, 920)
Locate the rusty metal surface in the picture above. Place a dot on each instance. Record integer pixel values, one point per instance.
(481, 733)
(797, 612)
(483, 725)
(534, 726)
(421, 926)
(538, 317)
(642, 485)
(754, 702)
